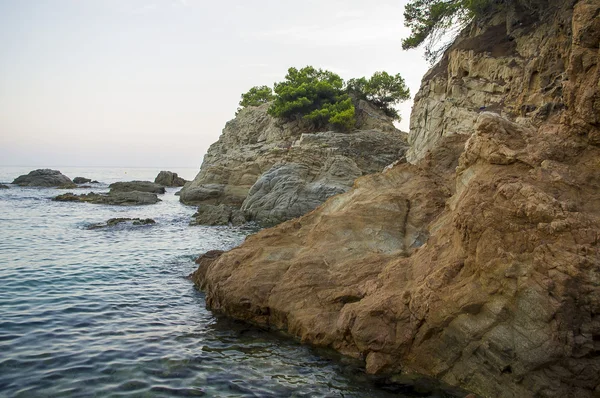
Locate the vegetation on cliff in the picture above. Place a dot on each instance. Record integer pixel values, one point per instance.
(323, 98)
(256, 96)
(431, 20)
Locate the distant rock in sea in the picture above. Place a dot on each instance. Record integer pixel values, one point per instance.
(81, 180)
(169, 179)
(2, 186)
(42, 178)
(116, 221)
(140, 186)
(132, 198)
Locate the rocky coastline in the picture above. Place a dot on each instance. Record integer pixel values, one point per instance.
(477, 262)
(268, 170)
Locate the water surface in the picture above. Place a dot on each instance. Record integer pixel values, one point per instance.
(109, 312)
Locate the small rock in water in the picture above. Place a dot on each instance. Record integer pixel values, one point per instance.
(139, 186)
(2, 186)
(81, 180)
(43, 178)
(169, 179)
(133, 198)
(116, 221)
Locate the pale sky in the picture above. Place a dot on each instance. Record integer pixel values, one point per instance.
(152, 82)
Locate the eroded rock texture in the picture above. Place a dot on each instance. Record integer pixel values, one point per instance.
(480, 263)
(524, 66)
(275, 170)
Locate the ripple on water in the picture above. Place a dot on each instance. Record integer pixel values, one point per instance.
(109, 312)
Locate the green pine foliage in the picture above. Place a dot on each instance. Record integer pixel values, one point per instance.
(323, 98)
(316, 95)
(382, 90)
(429, 20)
(256, 96)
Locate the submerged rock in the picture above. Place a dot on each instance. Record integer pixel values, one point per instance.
(116, 221)
(2, 186)
(81, 180)
(133, 198)
(139, 186)
(42, 178)
(68, 186)
(169, 179)
(217, 215)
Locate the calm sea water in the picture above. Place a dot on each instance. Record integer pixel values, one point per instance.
(109, 312)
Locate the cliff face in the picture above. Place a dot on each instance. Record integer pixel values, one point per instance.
(275, 170)
(479, 264)
(516, 65)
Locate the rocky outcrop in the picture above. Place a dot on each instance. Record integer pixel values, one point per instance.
(479, 264)
(218, 215)
(42, 178)
(121, 221)
(259, 159)
(81, 180)
(169, 179)
(139, 186)
(3, 186)
(517, 65)
(131, 198)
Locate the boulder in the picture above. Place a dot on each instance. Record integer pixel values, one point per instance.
(81, 180)
(288, 190)
(169, 179)
(139, 186)
(132, 198)
(42, 178)
(217, 215)
(117, 221)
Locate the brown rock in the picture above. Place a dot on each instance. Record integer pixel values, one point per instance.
(479, 264)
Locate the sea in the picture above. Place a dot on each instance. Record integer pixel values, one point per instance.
(110, 312)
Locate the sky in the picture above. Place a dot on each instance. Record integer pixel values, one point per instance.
(153, 82)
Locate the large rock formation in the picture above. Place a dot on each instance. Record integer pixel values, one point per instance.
(480, 263)
(513, 65)
(43, 178)
(275, 170)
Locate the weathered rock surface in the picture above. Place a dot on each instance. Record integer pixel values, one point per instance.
(131, 198)
(81, 180)
(117, 221)
(42, 178)
(169, 179)
(217, 215)
(514, 65)
(479, 264)
(139, 186)
(258, 158)
(289, 190)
